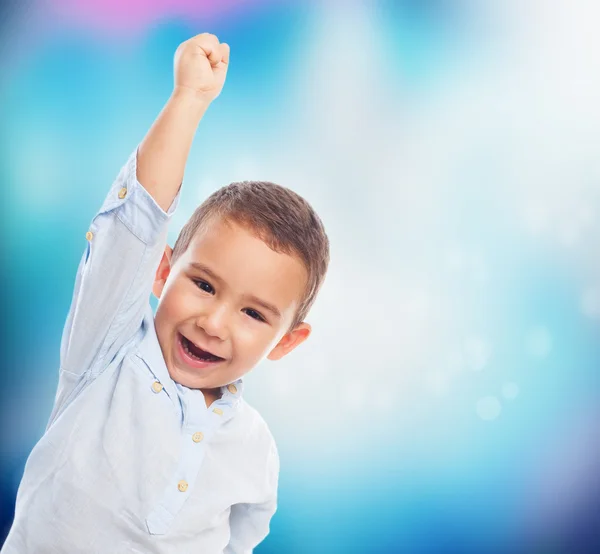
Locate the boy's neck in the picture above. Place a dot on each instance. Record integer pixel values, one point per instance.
(210, 395)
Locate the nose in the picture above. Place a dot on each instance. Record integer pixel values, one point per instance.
(215, 322)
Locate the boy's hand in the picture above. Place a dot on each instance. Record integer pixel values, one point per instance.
(200, 66)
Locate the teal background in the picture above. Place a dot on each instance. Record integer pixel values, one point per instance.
(449, 397)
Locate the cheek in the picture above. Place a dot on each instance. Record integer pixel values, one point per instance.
(176, 303)
(255, 343)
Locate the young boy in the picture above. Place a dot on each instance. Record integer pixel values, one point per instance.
(150, 447)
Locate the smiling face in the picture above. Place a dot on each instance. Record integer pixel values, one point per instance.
(232, 296)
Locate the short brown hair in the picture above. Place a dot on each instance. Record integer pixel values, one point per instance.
(278, 216)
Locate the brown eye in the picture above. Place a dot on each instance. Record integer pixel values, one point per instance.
(203, 285)
(254, 314)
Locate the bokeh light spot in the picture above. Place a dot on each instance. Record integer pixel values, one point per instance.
(488, 408)
(510, 390)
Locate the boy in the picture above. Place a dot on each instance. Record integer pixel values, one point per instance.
(150, 446)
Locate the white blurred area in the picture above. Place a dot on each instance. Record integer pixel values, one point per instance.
(427, 187)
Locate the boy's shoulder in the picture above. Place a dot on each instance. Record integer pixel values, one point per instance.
(256, 427)
(257, 424)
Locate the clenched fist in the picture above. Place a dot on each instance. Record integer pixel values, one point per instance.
(200, 66)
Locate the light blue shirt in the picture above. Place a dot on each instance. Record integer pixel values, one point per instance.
(132, 461)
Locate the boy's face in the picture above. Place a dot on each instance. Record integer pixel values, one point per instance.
(214, 295)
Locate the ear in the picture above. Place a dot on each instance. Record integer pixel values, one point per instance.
(162, 273)
(290, 340)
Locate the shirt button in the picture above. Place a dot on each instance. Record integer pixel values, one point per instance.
(182, 485)
(232, 389)
(218, 411)
(197, 437)
(122, 193)
(156, 386)
(89, 236)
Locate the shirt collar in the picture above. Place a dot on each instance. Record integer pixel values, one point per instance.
(232, 394)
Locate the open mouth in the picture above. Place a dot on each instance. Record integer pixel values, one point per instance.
(196, 353)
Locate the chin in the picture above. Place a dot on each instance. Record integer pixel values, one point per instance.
(186, 378)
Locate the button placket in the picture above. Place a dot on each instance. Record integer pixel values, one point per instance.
(193, 449)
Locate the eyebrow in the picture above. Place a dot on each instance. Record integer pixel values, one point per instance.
(255, 299)
(207, 270)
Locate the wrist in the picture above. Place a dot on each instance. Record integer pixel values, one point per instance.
(191, 99)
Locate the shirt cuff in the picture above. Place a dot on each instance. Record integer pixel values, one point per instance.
(135, 206)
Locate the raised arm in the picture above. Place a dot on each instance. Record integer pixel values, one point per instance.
(200, 68)
(127, 236)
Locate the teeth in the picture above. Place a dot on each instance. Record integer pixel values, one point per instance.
(186, 348)
(186, 342)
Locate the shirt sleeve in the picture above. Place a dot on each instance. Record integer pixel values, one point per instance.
(249, 523)
(125, 242)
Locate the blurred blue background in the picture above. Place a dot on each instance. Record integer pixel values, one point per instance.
(449, 397)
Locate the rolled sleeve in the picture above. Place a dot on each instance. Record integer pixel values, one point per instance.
(135, 206)
(125, 242)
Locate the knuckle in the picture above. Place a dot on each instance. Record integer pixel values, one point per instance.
(210, 37)
(183, 46)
